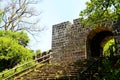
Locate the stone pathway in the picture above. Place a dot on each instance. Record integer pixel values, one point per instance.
(63, 71)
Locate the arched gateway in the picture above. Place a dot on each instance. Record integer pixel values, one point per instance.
(96, 40)
(71, 42)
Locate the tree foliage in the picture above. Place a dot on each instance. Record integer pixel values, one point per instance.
(109, 47)
(21, 37)
(38, 52)
(11, 53)
(100, 12)
(109, 69)
(103, 12)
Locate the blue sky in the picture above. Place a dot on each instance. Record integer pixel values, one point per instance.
(54, 12)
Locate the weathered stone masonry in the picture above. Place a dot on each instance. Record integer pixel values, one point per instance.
(71, 42)
(67, 41)
(116, 32)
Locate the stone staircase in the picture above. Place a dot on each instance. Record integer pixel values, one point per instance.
(91, 72)
(61, 71)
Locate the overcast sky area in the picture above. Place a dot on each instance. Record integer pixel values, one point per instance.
(54, 12)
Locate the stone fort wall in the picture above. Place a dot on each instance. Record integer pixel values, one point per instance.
(69, 41)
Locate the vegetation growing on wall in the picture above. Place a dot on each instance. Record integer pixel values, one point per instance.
(98, 13)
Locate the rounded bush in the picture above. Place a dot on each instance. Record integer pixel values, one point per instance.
(12, 53)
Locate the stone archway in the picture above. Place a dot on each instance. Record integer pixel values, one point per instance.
(96, 40)
(74, 42)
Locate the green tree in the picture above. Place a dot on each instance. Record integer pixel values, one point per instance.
(109, 46)
(100, 12)
(38, 52)
(11, 53)
(21, 37)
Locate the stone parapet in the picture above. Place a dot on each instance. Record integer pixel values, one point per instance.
(71, 42)
(68, 41)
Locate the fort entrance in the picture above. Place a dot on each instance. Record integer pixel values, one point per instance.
(96, 40)
(71, 42)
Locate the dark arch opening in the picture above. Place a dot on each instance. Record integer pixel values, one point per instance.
(95, 43)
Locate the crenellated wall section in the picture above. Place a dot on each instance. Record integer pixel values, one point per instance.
(71, 42)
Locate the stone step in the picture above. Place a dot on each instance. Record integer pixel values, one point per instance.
(63, 71)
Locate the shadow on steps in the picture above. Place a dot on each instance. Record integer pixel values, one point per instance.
(63, 71)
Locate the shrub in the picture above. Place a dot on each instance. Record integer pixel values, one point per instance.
(11, 53)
